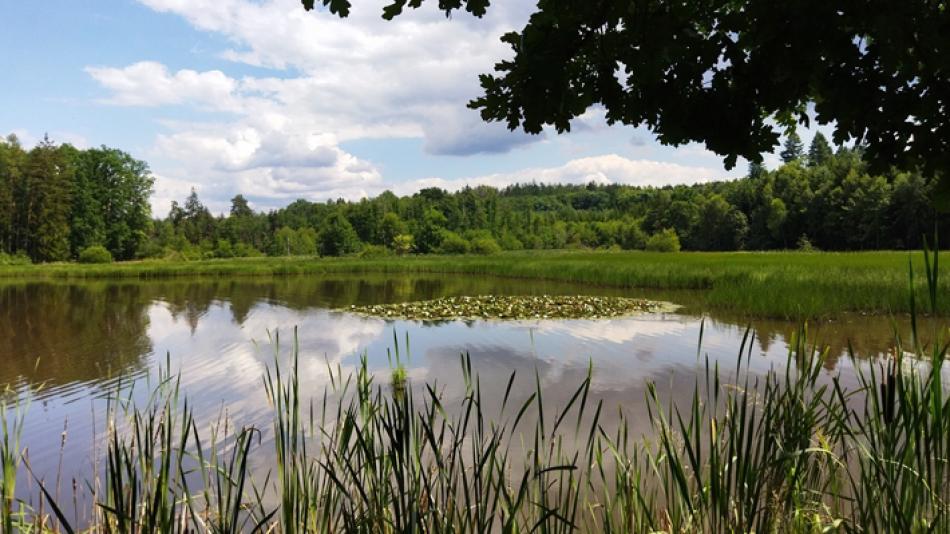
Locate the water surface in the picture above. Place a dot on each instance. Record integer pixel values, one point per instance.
(65, 346)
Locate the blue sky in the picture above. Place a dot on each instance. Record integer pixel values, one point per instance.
(262, 98)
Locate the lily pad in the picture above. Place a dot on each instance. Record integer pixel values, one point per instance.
(513, 308)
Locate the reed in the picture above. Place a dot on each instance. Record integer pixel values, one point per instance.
(792, 285)
(786, 451)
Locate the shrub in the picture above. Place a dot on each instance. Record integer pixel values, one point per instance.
(243, 250)
(453, 243)
(508, 241)
(664, 241)
(632, 237)
(485, 245)
(14, 259)
(95, 254)
(403, 244)
(804, 244)
(374, 251)
(223, 249)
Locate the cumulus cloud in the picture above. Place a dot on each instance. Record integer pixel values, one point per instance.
(148, 83)
(276, 137)
(334, 80)
(606, 169)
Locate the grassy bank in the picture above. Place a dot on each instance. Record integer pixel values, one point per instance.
(773, 284)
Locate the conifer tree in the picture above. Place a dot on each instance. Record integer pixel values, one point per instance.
(819, 151)
(11, 162)
(47, 195)
(793, 150)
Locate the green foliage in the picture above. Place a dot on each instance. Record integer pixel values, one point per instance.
(244, 250)
(337, 238)
(301, 242)
(375, 251)
(664, 241)
(390, 227)
(819, 152)
(56, 201)
(485, 246)
(729, 74)
(223, 249)
(20, 258)
(403, 244)
(428, 236)
(452, 243)
(839, 204)
(804, 244)
(793, 149)
(95, 254)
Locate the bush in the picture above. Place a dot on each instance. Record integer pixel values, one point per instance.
(375, 251)
(664, 241)
(14, 259)
(485, 245)
(243, 250)
(223, 249)
(453, 243)
(95, 254)
(632, 237)
(508, 241)
(403, 244)
(804, 244)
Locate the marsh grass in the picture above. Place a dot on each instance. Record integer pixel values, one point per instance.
(795, 285)
(790, 450)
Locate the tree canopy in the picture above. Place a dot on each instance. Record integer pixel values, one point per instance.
(731, 74)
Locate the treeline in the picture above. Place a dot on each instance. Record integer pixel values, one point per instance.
(57, 201)
(816, 199)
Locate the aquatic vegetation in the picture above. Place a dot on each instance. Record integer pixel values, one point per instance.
(791, 450)
(514, 307)
(796, 285)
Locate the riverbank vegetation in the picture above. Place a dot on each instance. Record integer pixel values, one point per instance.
(772, 284)
(57, 201)
(791, 451)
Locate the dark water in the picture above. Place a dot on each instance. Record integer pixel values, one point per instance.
(65, 346)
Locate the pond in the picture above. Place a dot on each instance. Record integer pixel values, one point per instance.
(65, 346)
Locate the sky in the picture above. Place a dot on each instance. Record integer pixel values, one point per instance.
(262, 98)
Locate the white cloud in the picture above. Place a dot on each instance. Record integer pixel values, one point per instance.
(277, 138)
(610, 168)
(338, 80)
(148, 83)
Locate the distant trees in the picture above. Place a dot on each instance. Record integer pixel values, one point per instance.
(56, 201)
(832, 203)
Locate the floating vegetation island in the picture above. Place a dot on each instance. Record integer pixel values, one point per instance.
(514, 307)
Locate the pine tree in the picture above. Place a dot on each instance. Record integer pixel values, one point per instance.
(11, 163)
(793, 150)
(48, 179)
(756, 169)
(240, 207)
(819, 151)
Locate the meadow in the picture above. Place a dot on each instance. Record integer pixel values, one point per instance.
(789, 285)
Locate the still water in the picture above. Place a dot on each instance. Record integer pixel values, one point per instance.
(66, 346)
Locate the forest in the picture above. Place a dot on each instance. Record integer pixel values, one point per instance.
(58, 203)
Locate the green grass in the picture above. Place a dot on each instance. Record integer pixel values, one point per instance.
(784, 452)
(755, 284)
